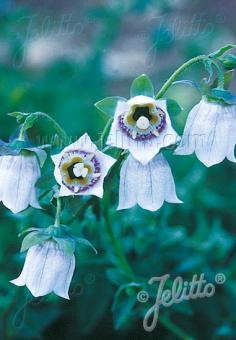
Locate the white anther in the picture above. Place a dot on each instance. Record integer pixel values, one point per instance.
(143, 123)
(79, 170)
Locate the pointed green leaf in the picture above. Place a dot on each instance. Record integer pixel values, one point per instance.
(33, 238)
(85, 243)
(229, 61)
(222, 50)
(29, 122)
(142, 86)
(27, 231)
(67, 245)
(173, 107)
(224, 95)
(108, 105)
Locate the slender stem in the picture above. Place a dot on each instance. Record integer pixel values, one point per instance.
(173, 77)
(116, 244)
(58, 213)
(21, 136)
(105, 130)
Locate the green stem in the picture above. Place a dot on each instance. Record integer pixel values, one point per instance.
(116, 244)
(58, 213)
(175, 75)
(21, 136)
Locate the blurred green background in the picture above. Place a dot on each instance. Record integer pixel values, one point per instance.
(60, 57)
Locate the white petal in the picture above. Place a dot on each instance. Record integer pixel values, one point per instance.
(22, 174)
(141, 100)
(64, 276)
(128, 183)
(106, 162)
(187, 144)
(121, 107)
(21, 280)
(83, 143)
(38, 281)
(5, 162)
(147, 185)
(47, 269)
(64, 191)
(140, 150)
(209, 132)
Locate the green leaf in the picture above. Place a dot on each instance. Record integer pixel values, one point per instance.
(67, 245)
(173, 107)
(229, 61)
(224, 95)
(228, 78)
(40, 153)
(85, 243)
(27, 231)
(33, 238)
(108, 105)
(20, 116)
(222, 50)
(29, 122)
(142, 86)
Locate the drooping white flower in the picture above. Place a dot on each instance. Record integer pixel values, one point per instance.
(47, 269)
(146, 185)
(80, 168)
(142, 125)
(210, 132)
(18, 175)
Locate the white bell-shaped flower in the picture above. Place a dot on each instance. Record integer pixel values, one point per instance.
(142, 125)
(80, 168)
(210, 132)
(47, 269)
(146, 185)
(18, 175)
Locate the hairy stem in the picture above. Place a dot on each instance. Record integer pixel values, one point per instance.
(175, 75)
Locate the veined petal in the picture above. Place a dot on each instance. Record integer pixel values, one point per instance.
(140, 100)
(64, 276)
(147, 185)
(209, 132)
(188, 141)
(21, 177)
(47, 269)
(29, 262)
(5, 163)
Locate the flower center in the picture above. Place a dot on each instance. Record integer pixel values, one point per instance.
(80, 170)
(143, 122)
